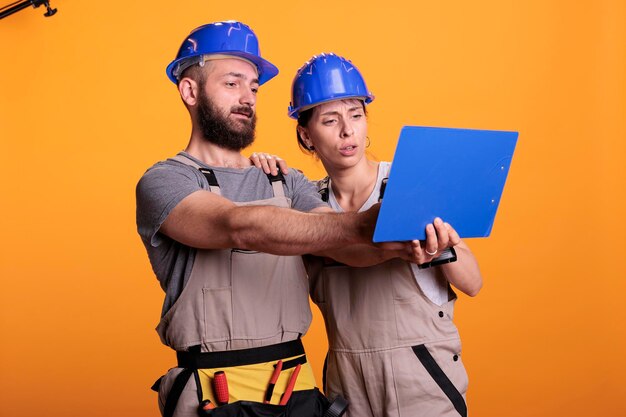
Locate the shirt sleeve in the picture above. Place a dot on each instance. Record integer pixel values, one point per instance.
(159, 190)
(303, 192)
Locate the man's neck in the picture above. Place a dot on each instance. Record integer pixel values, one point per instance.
(216, 156)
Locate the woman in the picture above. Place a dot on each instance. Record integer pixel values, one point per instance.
(393, 348)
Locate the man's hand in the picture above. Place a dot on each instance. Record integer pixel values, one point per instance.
(270, 164)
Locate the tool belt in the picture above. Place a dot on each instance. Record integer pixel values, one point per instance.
(305, 403)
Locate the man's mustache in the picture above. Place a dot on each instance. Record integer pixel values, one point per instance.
(245, 110)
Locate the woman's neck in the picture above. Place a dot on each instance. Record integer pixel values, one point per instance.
(353, 186)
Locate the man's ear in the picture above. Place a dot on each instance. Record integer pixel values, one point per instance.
(188, 90)
(304, 135)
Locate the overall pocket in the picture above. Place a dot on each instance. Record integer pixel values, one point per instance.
(218, 313)
(441, 379)
(270, 295)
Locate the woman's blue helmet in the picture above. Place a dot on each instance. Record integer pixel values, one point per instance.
(323, 78)
(225, 38)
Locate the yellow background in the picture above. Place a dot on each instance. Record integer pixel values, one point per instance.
(85, 108)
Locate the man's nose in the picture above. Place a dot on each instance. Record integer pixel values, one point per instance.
(247, 97)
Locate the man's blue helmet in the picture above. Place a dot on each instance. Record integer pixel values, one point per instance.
(323, 78)
(225, 38)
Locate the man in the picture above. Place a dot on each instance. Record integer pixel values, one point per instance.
(224, 240)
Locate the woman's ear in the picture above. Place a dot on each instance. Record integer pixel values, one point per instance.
(304, 135)
(188, 90)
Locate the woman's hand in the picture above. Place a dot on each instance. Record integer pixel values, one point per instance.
(439, 236)
(463, 274)
(270, 164)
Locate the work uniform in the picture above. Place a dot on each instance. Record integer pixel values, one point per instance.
(240, 312)
(393, 351)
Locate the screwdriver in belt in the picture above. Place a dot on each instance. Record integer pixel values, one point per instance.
(290, 385)
(272, 383)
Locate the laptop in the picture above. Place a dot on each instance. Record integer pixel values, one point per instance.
(455, 174)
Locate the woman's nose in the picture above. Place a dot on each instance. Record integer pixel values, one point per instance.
(347, 130)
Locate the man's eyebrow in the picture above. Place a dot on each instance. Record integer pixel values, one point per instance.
(241, 76)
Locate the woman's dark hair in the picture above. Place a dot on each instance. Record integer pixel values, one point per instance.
(303, 120)
(304, 117)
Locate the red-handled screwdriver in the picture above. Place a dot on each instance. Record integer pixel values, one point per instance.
(273, 379)
(290, 385)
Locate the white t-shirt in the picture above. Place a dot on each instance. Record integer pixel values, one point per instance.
(435, 289)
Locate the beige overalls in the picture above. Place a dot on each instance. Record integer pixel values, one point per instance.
(236, 300)
(392, 352)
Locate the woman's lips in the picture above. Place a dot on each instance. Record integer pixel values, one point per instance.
(348, 150)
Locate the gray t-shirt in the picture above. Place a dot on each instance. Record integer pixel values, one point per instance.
(166, 183)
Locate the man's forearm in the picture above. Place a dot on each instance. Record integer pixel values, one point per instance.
(289, 232)
(207, 221)
(360, 255)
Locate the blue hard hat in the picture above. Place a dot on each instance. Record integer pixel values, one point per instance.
(228, 38)
(323, 78)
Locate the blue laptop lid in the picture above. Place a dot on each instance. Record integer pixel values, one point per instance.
(455, 174)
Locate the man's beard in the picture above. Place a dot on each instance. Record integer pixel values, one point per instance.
(222, 131)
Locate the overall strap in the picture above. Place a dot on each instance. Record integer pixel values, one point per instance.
(208, 173)
(383, 185)
(322, 188)
(177, 389)
(277, 182)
